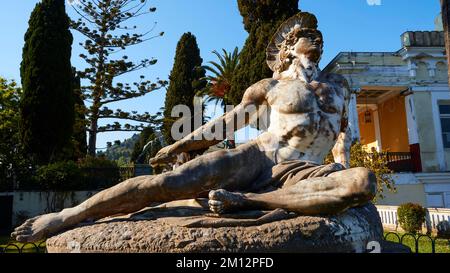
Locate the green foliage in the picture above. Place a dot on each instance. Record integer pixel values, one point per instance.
(219, 83)
(261, 20)
(146, 147)
(47, 106)
(9, 105)
(120, 152)
(105, 25)
(59, 176)
(96, 162)
(375, 162)
(79, 138)
(187, 78)
(13, 166)
(90, 173)
(99, 172)
(411, 217)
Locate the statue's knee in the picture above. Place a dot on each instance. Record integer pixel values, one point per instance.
(366, 182)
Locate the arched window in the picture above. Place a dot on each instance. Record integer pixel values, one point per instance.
(422, 72)
(441, 71)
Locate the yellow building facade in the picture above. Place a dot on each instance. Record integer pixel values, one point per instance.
(401, 106)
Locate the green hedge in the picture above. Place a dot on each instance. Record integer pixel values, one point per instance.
(411, 217)
(87, 174)
(59, 176)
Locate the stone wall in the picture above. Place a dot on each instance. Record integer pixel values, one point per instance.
(29, 204)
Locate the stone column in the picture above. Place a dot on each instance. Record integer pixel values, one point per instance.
(413, 134)
(353, 118)
(376, 123)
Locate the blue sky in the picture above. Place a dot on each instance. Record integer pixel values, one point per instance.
(347, 25)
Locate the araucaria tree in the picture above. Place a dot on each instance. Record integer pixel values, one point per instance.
(105, 25)
(79, 138)
(187, 78)
(47, 103)
(261, 20)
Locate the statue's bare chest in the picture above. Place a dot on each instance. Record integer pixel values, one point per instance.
(291, 97)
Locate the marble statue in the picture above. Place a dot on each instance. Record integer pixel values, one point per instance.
(281, 169)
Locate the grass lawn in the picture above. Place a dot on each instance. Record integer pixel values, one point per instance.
(30, 248)
(442, 245)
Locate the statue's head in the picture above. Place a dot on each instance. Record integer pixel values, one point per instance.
(296, 42)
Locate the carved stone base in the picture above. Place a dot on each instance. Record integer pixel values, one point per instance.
(191, 229)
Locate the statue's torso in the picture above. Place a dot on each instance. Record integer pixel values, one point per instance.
(304, 118)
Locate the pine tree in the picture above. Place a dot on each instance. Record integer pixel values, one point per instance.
(186, 79)
(47, 105)
(79, 130)
(261, 20)
(105, 25)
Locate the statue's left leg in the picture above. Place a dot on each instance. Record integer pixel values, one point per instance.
(321, 195)
(231, 169)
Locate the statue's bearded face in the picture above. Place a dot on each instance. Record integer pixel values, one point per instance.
(307, 51)
(301, 52)
(311, 47)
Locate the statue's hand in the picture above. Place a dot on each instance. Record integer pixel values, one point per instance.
(164, 156)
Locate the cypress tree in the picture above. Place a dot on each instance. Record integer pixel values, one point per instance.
(47, 104)
(261, 19)
(186, 79)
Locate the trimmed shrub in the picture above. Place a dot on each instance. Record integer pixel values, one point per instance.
(88, 174)
(63, 175)
(96, 162)
(411, 217)
(443, 230)
(99, 172)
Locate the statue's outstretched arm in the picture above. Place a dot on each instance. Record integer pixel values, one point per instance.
(220, 128)
(341, 150)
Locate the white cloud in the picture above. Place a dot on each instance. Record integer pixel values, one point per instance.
(374, 2)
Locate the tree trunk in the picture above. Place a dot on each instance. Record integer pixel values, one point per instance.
(92, 139)
(97, 94)
(445, 6)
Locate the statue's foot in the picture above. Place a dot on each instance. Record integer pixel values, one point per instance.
(222, 201)
(38, 228)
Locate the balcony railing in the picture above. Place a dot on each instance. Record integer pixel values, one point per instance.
(395, 157)
(400, 161)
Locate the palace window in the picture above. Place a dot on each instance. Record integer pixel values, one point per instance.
(444, 110)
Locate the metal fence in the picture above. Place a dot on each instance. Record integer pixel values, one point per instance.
(418, 241)
(24, 248)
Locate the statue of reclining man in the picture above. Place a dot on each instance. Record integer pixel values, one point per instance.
(281, 168)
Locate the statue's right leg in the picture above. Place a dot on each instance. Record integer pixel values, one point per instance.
(229, 169)
(328, 195)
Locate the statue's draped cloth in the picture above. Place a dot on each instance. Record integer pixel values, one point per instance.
(289, 173)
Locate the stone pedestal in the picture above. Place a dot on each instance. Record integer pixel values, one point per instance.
(192, 229)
